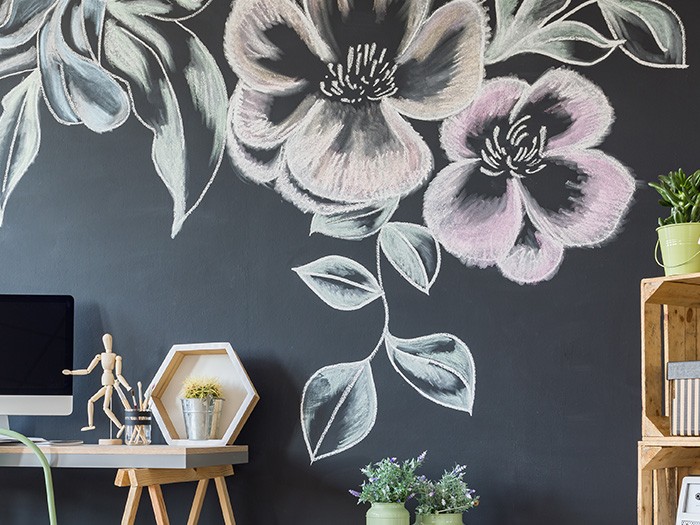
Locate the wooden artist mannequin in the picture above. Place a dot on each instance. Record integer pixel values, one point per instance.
(111, 364)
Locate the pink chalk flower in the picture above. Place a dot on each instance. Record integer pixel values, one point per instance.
(326, 87)
(525, 180)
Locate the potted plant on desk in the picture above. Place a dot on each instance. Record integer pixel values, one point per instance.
(201, 407)
(388, 486)
(680, 231)
(443, 502)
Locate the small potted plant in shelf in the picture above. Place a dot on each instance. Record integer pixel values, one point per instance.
(388, 486)
(201, 407)
(443, 502)
(680, 231)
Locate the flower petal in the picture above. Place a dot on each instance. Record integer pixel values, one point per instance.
(292, 192)
(272, 46)
(264, 121)
(463, 136)
(476, 217)
(534, 258)
(574, 111)
(369, 153)
(443, 66)
(261, 169)
(595, 191)
(21, 20)
(389, 23)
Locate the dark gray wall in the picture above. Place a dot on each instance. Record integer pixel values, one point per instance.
(556, 418)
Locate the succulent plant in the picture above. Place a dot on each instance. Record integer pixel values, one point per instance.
(201, 388)
(681, 193)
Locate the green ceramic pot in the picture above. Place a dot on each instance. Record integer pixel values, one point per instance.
(439, 519)
(679, 248)
(388, 514)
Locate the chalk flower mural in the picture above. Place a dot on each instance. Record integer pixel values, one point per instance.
(326, 111)
(526, 180)
(526, 177)
(364, 67)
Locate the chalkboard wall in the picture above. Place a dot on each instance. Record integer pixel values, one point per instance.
(552, 433)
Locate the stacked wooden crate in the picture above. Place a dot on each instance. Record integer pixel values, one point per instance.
(670, 332)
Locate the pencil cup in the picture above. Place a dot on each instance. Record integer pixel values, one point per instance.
(138, 427)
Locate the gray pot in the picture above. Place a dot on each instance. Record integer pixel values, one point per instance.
(202, 417)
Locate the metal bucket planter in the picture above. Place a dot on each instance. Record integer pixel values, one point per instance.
(679, 248)
(388, 514)
(202, 417)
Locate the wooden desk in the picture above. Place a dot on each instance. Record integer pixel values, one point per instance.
(146, 467)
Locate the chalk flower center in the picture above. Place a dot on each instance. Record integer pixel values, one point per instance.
(518, 151)
(366, 75)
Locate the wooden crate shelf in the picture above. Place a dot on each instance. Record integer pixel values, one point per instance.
(670, 308)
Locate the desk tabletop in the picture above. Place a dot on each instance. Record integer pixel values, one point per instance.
(122, 456)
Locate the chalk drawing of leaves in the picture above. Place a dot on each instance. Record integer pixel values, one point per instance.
(528, 27)
(178, 93)
(338, 408)
(413, 252)
(19, 23)
(340, 282)
(654, 34)
(355, 225)
(569, 42)
(77, 89)
(20, 134)
(439, 366)
(515, 19)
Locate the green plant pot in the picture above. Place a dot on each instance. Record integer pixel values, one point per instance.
(388, 514)
(439, 519)
(679, 247)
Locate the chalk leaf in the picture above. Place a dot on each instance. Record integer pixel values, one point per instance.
(413, 251)
(569, 42)
(439, 366)
(338, 408)
(20, 134)
(356, 224)
(653, 33)
(340, 282)
(179, 94)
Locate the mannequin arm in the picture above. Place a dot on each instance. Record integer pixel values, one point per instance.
(120, 377)
(84, 371)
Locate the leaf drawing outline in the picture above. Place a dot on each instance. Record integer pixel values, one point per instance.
(426, 357)
(413, 251)
(340, 282)
(358, 398)
(20, 134)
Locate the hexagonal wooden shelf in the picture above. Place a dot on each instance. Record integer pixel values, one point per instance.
(206, 359)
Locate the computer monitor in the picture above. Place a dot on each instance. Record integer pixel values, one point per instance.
(36, 344)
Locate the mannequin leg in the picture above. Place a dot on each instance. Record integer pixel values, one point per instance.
(108, 410)
(91, 408)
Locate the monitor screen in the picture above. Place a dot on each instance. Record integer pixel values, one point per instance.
(36, 344)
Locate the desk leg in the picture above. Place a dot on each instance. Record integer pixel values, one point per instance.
(158, 504)
(132, 505)
(202, 485)
(224, 500)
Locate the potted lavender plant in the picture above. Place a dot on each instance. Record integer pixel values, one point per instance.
(443, 502)
(388, 486)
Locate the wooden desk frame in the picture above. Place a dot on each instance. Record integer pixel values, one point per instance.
(146, 467)
(138, 479)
